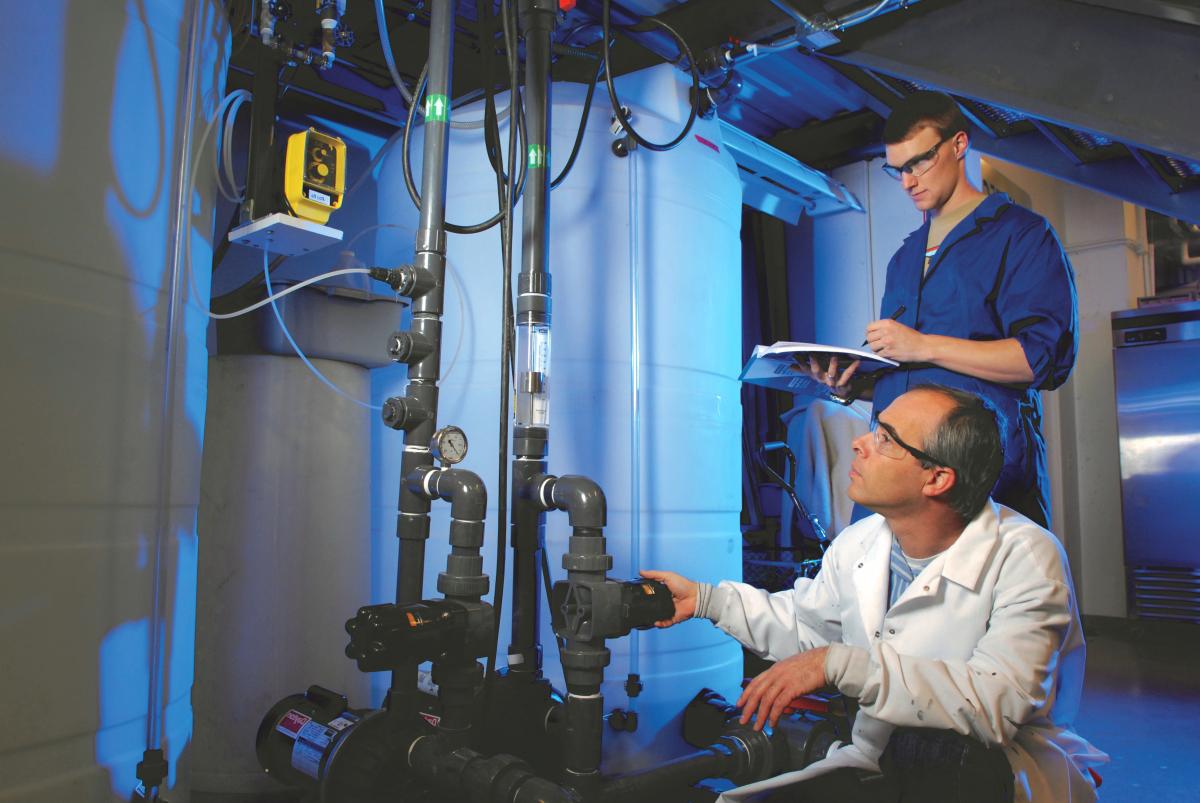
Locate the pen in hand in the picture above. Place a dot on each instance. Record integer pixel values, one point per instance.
(900, 310)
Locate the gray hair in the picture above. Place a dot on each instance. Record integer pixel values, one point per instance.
(967, 440)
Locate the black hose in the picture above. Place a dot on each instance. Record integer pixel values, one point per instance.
(587, 108)
(554, 617)
(413, 193)
(507, 200)
(684, 52)
(491, 138)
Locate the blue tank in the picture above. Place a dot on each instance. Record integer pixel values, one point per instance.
(647, 404)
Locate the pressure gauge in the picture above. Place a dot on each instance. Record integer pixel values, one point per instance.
(449, 445)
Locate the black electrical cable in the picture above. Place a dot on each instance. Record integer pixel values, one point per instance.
(548, 585)
(491, 139)
(684, 51)
(587, 108)
(408, 176)
(507, 202)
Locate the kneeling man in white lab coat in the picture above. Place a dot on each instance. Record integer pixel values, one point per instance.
(951, 618)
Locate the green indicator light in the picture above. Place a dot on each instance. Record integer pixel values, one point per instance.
(537, 157)
(437, 109)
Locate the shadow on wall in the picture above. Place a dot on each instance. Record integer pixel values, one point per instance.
(89, 141)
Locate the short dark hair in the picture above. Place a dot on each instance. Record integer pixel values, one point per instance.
(968, 440)
(924, 109)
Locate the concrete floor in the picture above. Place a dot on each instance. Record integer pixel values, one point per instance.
(1141, 705)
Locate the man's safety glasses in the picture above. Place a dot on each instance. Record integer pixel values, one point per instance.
(889, 444)
(920, 164)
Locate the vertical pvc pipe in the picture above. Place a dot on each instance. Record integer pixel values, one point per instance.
(180, 212)
(635, 414)
(412, 525)
(531, 432)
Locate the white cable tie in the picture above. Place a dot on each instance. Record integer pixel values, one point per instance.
(412, 747)
(547, 501)
(427, 481)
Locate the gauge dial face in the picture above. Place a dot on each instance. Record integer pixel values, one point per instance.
(449, 445)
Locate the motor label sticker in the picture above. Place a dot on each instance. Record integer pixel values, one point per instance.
(291, 723)
(311, 742)
(344, 721)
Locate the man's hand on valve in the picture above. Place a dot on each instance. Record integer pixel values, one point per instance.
(683, 594)
(768, 694)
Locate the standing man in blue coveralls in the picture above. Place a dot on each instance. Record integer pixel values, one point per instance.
(981, 297)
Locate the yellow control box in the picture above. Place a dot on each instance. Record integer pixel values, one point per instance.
(314, 174)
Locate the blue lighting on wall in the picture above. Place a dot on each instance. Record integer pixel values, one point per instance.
(124, 680)
(31, 126)
(124, 676)
(141, 134)
(181, 663)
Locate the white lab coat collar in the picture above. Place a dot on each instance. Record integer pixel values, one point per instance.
(962, 563)
(969, 555)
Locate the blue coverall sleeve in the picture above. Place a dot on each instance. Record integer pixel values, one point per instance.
(1036, 304)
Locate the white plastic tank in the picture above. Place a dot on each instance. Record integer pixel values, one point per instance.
(672, 220)
(89, 154)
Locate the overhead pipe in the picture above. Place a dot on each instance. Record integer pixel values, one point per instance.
(820, 23)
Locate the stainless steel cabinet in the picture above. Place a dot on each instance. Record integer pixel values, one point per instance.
(1156, 360)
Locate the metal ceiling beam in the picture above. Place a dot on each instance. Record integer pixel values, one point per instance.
(702, 23)
(1164, 9)
(1121, 178)
(1126, 76)
(822, 143)
(1126, 179)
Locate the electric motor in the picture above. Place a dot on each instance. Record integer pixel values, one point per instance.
(316, 741)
